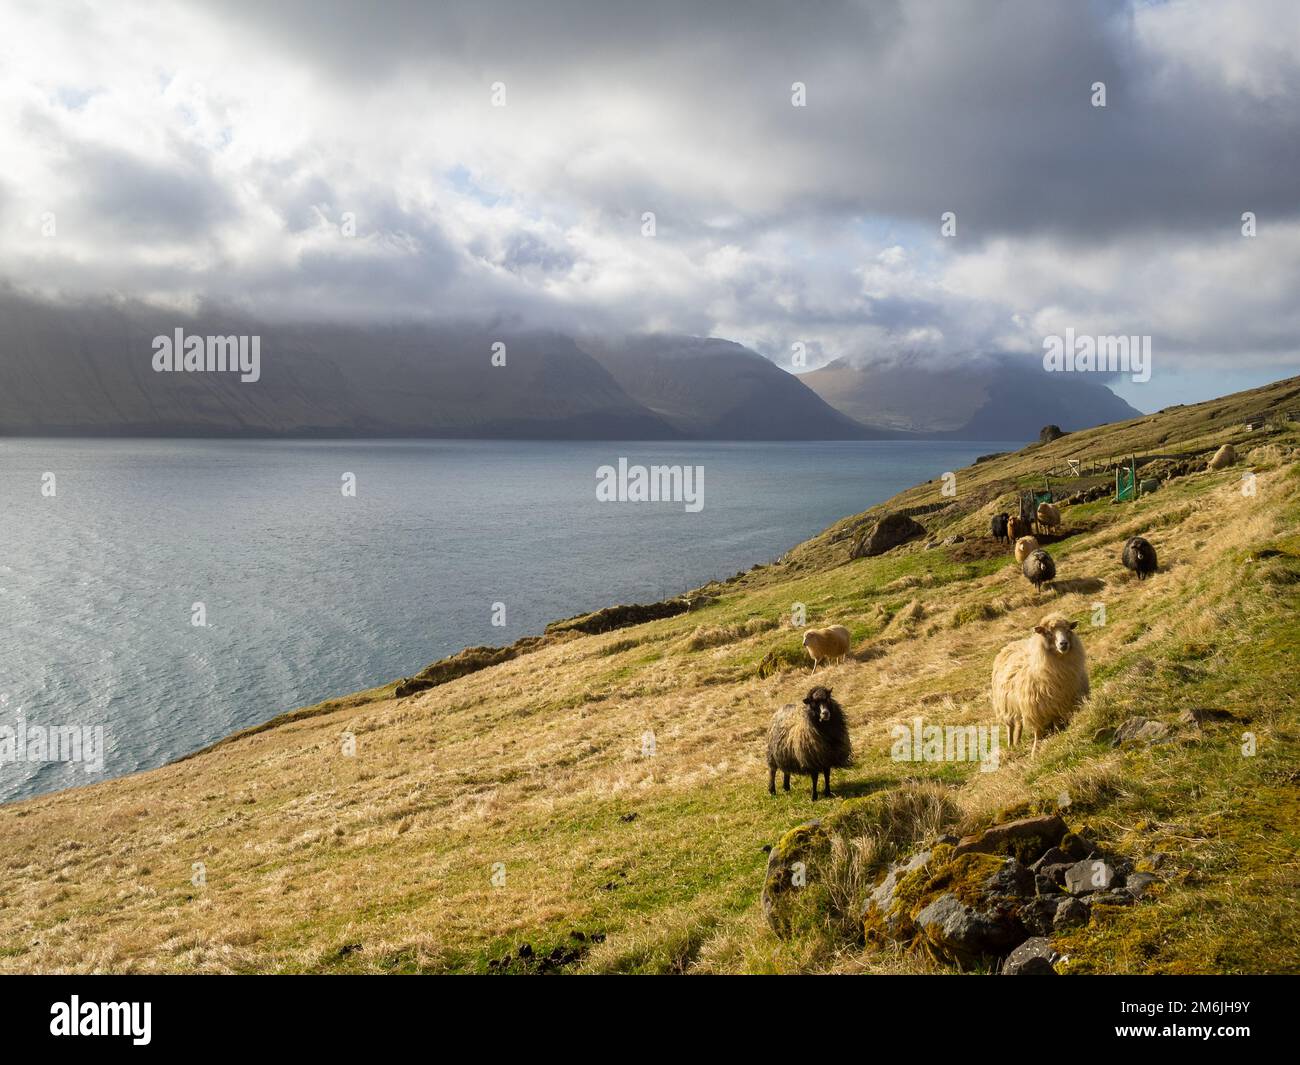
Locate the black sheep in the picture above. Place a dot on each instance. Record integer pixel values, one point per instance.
(1139, 556)
(810, 738)
(999, 526)
(1038, 569)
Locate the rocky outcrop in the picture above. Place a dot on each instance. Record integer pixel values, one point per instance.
(998, 896)
(889, 532)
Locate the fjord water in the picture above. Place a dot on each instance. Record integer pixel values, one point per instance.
(309, 593)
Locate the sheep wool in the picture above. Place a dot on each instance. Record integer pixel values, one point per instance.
(811, 737)
(1025, 547)
(1225, 456)
(1039, 681)
(1139, 556)
(1049, 516)
(825, 644)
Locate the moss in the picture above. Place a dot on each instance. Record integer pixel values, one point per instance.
(975, 612)
(783, 660)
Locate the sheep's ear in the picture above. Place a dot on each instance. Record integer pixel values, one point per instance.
(1040, 630)
(1074, 624)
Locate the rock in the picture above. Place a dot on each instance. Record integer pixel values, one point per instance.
(1070, 913)
(1039, 915)
(1053, 856)
(1075, 848)
(889, 532)
(955, 539)
(1200, 716)
(883, 895)
(1055, 873)
(1141, 730)
(1027, 838)
(409, 686)
(1116, 896)
(1013, 879)
(786, 875)
(1045, 885)
(1034, 957)
(618, 617)
(1048, 433)
(960, 933)
(1089, 876)
(1138, 884)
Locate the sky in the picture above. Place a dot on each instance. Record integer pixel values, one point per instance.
(498, 161)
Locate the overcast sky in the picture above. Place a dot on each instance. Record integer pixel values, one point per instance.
(211, 152)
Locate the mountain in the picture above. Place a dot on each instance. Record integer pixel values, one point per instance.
(88, 370)
(714, 389)
(996, 398)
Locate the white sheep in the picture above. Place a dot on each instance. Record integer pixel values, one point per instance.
(825, 644)
(1225, 456)
(1038, 681)
(1049, 516)
(1025, 547)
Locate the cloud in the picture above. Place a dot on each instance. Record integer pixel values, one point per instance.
(211, 152)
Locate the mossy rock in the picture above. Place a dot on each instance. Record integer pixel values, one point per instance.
(810, 881)
(947, 910)
(792, 868)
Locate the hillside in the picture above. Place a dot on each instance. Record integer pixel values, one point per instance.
(981, 399)
(599, 794)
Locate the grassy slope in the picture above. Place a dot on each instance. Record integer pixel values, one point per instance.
(317, 861)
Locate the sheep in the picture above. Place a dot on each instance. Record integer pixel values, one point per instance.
(1016, 528)
(811, 738)
(999, 525)
(1038, 681)
(1038, 569)
(1025, 547)
(1139, 556)
(1049, 517)
(1225, 456)
(825, 644)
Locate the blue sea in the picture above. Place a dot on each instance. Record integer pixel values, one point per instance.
(308, 592)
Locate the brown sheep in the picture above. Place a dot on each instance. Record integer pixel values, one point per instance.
(1049, 517)
(825, 644)
(1017, 527)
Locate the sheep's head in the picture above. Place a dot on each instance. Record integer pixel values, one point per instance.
(1057, 633)
(821, 707)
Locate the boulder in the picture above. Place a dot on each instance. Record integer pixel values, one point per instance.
(787, 874)
(1089, 876)
(1027, 838)
(889, 532)
(1048, 433)
(1034, 957)
(1141, 730)
(1039, 915)
(1070, 913)
(1138, 884)
(957, 932)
